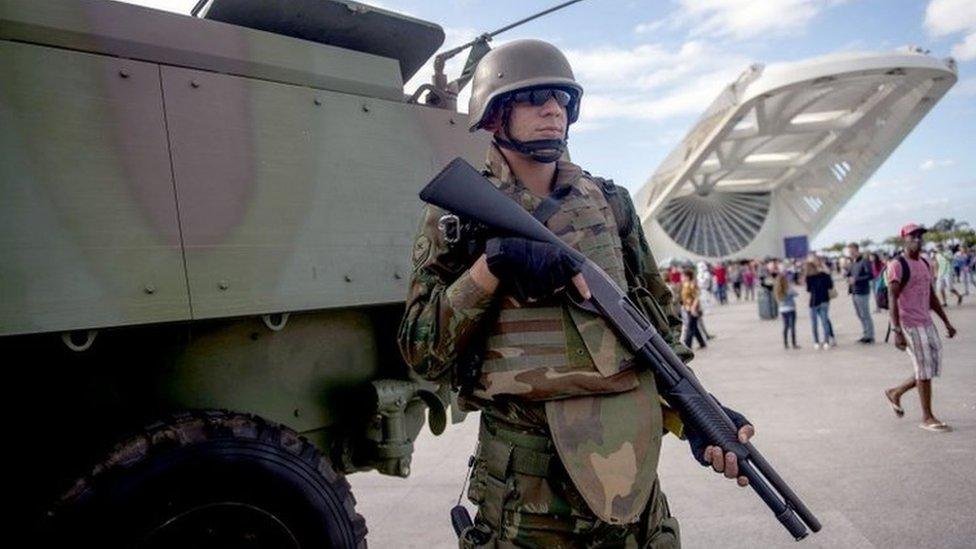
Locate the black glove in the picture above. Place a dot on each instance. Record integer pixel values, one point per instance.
(529, 268)
(698, 442)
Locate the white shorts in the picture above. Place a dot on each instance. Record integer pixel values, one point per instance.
(944, 283)
(925, 348)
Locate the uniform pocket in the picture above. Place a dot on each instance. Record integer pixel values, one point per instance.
(663, 531)
(585, 219)
(478, 482)
(534, 511)
(497, 485)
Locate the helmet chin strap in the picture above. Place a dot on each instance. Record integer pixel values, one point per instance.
(541, 150)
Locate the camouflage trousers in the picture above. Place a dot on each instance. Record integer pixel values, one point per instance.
(525, 498)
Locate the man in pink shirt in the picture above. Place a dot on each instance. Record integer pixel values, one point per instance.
(911, 300)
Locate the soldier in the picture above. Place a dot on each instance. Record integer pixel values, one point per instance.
(570, 432)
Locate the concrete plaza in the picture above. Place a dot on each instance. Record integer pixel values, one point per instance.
(872, 479)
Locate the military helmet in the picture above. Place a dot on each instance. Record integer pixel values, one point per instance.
(518, 65)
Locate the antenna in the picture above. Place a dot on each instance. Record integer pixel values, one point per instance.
(443, 94)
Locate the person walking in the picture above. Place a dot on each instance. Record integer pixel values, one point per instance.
(674, 284)
(749, 281)
(958, 261)
(786, 300)
(820, 286)
(943, 274)
(966, 272)
(910, 286)
(721, 282)
(735, 275)
(877, 267)
(859, 286)
(706, 283)
(691, 310)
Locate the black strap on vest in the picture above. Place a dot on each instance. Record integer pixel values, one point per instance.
(621, 214)
(550, 205)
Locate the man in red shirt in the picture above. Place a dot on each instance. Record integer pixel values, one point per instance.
(911, 299)
(721, 281)
(674, 281)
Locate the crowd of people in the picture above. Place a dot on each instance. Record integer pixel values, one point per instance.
(697, 287)
(913, 281)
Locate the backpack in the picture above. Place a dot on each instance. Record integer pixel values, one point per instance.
(881, 290)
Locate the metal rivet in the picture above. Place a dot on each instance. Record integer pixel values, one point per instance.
(124, 73)
(194, 83)
(317, 101)
(348, 278)
(223, 285)
(397, 275)
(579, 351)
(501, 75)
(149, 289)
(452, 122)
(365, 107)
(296, 412)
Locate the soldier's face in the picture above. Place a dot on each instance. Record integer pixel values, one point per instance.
(529, 122)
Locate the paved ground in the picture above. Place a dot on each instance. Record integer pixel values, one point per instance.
(872, 479)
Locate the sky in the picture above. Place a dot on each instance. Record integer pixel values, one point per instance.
(650, 68)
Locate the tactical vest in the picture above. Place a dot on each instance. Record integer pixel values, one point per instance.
(554, 350)
(603, 414)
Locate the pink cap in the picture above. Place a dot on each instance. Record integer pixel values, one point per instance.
(911, 228)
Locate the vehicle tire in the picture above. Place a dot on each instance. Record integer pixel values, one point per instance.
(214, 480)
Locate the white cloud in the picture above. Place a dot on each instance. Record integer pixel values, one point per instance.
(948, 17)
(742, 19)
(651, 82)
(931, 164)
(965, 50)
(945, 17)
(589, 126)
(652, 26)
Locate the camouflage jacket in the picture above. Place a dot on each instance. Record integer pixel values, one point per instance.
(447, 313)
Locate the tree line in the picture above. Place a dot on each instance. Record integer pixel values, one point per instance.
(944, 231)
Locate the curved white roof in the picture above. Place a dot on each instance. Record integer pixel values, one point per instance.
(808, 133)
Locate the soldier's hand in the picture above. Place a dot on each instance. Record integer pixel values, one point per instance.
(532, 269)
(728, 464)
(708, 454)
(950, 331)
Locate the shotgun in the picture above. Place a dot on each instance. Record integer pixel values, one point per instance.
(462, 190)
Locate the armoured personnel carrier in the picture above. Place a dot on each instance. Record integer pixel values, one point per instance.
(205, 231)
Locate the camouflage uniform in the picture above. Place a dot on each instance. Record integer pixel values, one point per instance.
(540, 478)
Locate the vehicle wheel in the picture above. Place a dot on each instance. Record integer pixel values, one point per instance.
(215, 480)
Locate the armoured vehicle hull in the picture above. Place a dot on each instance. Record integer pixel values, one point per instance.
(206, 228)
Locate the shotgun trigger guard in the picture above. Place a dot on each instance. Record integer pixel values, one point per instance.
(585, 304)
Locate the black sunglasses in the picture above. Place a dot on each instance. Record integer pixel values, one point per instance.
(540, 96)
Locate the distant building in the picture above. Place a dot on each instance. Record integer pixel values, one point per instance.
(782, 149)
